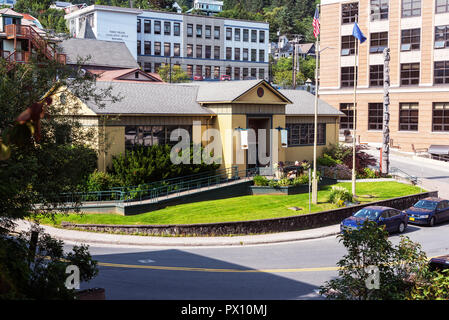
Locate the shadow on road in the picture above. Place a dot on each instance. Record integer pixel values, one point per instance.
(206, 284)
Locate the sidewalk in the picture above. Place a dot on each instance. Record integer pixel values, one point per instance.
(117, 239)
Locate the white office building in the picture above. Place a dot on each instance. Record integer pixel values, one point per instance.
(204, 46)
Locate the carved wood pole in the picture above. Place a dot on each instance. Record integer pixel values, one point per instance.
(386, 117)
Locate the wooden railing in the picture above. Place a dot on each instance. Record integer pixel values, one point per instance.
(18, 31)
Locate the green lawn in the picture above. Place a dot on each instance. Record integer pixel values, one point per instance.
(242, 208)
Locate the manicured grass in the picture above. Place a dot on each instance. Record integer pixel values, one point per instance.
(243, 208)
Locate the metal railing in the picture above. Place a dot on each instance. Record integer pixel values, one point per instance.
(162, 189)
(396, 171)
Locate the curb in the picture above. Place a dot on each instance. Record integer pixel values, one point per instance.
(131, 240)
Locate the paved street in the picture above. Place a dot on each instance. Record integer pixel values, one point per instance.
(284, 271)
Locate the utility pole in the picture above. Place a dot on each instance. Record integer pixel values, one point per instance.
(386, 118)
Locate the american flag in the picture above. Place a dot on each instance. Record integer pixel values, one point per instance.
(316, 23)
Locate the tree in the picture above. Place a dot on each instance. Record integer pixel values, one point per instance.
(51, 19)
(44, 153)
(283, 73)
(175, 75)
(399, 267)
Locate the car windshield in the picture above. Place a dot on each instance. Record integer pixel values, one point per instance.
(424, 204)
(367, 214)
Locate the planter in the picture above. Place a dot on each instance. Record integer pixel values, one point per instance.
(91, 294)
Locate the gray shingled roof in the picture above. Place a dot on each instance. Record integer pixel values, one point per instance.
(148, 98)
(224, 90)
(304, 104)
(102, 53)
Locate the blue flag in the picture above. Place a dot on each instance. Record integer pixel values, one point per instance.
(357, 33)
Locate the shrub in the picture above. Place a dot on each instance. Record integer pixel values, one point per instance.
(260, 181)
(340, 171)
(339, 194)
(302, 179)
(284, 182)
(327, 161)
(343, 155)
(368, 173)
(273, 184)
(102, 181)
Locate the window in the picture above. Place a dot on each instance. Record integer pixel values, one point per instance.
(261, 74)
(157, 48)
(411, 8)
(208, 34)
(262, 36)
(236, 53)
(441, 37)
(253, 55)
(147, 26)
(378, 42)
(208, 52)
(253, 72)
(136, 136)
(261, 55)
(139, 22)
(139, 49)
(347, 121)
(410, 39)
(347, 76)
(228, 33)
(375, 116)
(245, 54)
(228, 53)
(245, 35)
(376, 75)
(190, 30)
(199, 30)
(190, 50)
(177, 29)
(442, 6)
(217, 52)
(304, 134)
(147, 66)
(245, 73)
(167, 51)
(207, 72)
(347, 46)
(236, 73)
(440, 117)
(409, 74)
(216, 72)
(237, 34)
(167, 28)
(199, 70)
(157, 66)
(176, 49)
(408, 117)
(157, 27)
(229, 71)
(216, 32)
(147, 47)
(253, 35)
(441, 72)
(190, 71)
(349, 12)
(379, 10)
(199, 51)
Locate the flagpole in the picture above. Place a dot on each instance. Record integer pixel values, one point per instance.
(354, 130)
(315, 135)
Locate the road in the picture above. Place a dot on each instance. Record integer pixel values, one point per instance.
(285, 271)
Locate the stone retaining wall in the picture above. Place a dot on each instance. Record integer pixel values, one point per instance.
(293, 223)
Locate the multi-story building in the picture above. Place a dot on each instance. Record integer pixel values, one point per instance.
(203, 46)
(7, 3)
(209, 7)
(417, 33)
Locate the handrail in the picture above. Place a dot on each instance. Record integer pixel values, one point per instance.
(414, 179)
(154, 193)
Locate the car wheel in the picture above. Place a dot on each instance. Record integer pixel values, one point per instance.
(432, 222)
(401, 227)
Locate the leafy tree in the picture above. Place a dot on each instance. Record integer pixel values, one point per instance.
(175, 74)
(400, 267)
(283, 73)
(51, 19)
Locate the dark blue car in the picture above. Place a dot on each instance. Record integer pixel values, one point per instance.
(393, 220)
(429, 211)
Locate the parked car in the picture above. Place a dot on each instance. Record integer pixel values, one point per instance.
(439, 263)
(429, 211)
(225, 77)
(393, 220)
(198, 78)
